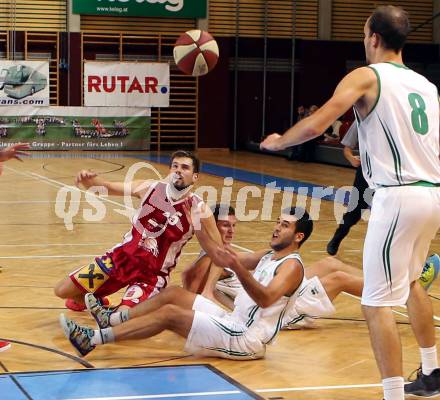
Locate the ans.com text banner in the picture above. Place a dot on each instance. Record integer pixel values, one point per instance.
(127, 84)
(24, 83)
(146, 8)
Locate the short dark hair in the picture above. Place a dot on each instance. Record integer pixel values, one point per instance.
(392, 24)
(188, 154)
(303, 224)
(219, 210)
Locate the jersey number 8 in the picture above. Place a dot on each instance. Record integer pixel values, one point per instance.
(419, 119)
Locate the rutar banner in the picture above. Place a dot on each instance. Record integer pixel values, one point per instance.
(24, 83)
(127, 84)
(142, 8)
(76, 128)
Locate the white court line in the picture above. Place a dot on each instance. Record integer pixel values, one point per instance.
(67, 256)
(27, 175)
(242, 248)
(394, 311)
(158, 396)
(58, 184)
(349, 366)
(61, 184)
(201, 394)
(346, 251)
(57, 244)
(300, 389)
(37, 201)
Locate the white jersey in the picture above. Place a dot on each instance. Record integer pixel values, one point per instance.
(264, 322)
(229, 285)
(399, 139)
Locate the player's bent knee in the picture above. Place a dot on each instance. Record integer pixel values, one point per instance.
(59, 290)
(65, 289)
(171, 314)
(332, 263)
(172, 292)
(339, 276)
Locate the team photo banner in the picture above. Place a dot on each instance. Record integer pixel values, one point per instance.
(76, 128)
(24, 83)
(142, 8)
(127, 84)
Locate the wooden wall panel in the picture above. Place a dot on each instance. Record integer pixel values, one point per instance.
(281, 18)
(349, 16)
(33, 15)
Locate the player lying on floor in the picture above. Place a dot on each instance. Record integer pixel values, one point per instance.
(210, 330)
(327, 278)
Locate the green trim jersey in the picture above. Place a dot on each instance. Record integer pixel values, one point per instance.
(265, 323)
(399, 139)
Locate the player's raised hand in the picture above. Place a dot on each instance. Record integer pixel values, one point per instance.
(355, 161)
(271, 142)
(227, 257)
(15, 151)
(85, 177)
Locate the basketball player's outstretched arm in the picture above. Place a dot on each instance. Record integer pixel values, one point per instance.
(251, 260)
(88, 178)
(14, 151)
(287, 279)
(210, 239)
(357, 84)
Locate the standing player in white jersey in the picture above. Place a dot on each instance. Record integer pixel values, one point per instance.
(151, 249)
(209, 329)
(397, 112)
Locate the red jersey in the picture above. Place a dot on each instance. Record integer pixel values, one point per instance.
(151, 249)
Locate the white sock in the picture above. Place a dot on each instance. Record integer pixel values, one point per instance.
(102, 336)
(119, 317)
(97, 338)
(429, 359)
(393, 388)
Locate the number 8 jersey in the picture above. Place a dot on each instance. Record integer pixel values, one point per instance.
(399, 138)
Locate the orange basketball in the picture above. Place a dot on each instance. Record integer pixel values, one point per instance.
(196, 52)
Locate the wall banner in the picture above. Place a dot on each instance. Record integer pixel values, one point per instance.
(24, 83)
(142, 8)
(127, 84)
(76, 128)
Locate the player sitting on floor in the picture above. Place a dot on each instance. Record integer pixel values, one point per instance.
(210, 330)
(150, 250)
(327, 278)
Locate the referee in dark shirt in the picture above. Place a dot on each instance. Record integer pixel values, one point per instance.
(350, 218)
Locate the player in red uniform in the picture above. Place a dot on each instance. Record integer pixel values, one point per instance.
(149, 251)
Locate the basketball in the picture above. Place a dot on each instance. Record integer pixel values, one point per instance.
(196, 52)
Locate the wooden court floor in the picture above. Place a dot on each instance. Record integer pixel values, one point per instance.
(333, 361)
